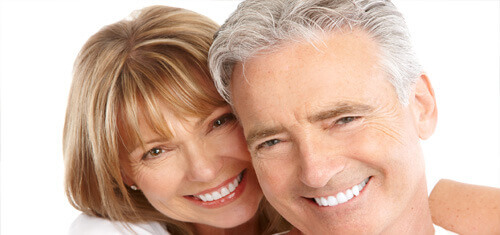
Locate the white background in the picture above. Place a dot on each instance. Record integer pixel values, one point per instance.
(456, 41)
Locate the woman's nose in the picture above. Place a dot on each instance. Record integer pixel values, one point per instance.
(204, 162)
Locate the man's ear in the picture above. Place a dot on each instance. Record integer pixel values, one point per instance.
(425, 107)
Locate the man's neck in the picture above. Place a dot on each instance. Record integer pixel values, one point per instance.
(416, 218)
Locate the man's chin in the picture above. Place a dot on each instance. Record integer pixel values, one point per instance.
(347, 210)
(329, 226)
(358, 218)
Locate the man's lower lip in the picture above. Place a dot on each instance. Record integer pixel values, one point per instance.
(225, 200)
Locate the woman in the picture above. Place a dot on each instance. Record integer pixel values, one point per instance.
(148, 140)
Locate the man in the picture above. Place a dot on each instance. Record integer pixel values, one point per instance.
(333, 104)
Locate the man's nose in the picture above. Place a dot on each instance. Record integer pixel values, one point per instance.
(204, 163)
(319, 162)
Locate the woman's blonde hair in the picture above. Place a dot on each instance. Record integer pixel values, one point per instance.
(122, 72)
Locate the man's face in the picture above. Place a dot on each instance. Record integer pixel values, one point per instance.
(320, 121)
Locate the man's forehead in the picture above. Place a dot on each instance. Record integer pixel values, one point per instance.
(338, 48)
(301, 74)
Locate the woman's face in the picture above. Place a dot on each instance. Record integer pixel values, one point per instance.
(203, 174)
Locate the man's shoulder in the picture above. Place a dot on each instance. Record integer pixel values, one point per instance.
(91, 225)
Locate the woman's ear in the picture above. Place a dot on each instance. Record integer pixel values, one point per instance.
(126, 179)
(425, 107)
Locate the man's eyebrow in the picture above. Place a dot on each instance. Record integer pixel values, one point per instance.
(262, 132)
(338, 110)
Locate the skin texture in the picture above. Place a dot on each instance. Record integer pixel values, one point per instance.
(465, 208)
(319, 120)
(202, 154)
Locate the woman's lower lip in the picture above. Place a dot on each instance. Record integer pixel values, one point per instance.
(225, 200)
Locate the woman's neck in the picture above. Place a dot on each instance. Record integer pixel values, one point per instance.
(250, 227)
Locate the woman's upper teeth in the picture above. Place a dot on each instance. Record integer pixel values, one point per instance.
(221, 192)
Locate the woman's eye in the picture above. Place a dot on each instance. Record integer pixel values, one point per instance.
(268, 143)
(153, 153)
(228, 117)
(345, 120)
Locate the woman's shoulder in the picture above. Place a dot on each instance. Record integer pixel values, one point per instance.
(91, 225)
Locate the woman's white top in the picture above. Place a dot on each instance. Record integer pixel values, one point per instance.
(91, 225)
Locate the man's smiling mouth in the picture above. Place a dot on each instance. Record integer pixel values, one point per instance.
(342, 197)
(221, 191)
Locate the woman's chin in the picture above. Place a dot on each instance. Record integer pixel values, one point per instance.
(230, 220)
(239, 211)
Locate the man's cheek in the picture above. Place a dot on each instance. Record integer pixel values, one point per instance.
(268, 173)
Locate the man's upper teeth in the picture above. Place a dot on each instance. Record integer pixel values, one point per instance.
(222, 192)
(341, 197)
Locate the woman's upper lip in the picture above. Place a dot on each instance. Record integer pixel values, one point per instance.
(224, 183)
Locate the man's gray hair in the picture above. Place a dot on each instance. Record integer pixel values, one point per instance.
(259, 25)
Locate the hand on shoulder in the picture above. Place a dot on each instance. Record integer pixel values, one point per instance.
(465, 208)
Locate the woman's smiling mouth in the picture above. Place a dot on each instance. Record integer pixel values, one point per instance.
(221, 195)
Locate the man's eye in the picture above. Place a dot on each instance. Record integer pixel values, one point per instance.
(153, 153)
(228, 117)
(345, 120)
(268, 143)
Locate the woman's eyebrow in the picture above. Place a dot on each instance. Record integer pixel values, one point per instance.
(147, 142)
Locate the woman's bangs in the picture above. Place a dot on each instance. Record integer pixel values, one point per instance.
(186, 91)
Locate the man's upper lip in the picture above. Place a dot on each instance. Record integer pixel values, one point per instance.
(331, 191)
(224, 183)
